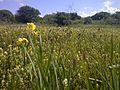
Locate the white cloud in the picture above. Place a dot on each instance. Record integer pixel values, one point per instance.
(21, 4)
(107, 3)
(85, 14)
(87, 11)
(88, 8)
(108, 7)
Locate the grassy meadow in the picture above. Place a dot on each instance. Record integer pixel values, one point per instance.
(60, 58)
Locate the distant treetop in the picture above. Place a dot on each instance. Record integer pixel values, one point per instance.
(27, 14)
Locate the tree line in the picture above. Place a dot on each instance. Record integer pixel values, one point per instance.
(29, 14)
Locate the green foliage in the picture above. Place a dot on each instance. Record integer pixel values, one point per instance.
(116, 18)
(77, 22)
(101, 16)
(62, 18)
(87, 20)
(6, 16)
(61, 58)
(111, 21)
(116, 15)
(39, 20)
(107, 18)
(49, 19)
(27, 14)
(74, 16)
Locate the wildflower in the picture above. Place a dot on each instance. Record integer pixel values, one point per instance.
(36, 34)
(93, 79)
(15, 50)
(31, 26)
(6, 53)
(22, 69)
(114, 66)
(3, 76)
(10, 45)
(21, 41)
(25, 40)
(65, 82)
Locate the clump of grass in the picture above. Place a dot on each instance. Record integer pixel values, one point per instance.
(62, 58)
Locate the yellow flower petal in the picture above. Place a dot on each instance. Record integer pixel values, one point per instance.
(31, 26)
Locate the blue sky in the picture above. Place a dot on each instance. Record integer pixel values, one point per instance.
(82, 7)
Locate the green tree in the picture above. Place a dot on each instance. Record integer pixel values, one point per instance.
(111, 21)
(101, 16)
(49, 19)
(116, 15)
(87, 20)
(62, 18)
(114, 19)
(27, 14)
(74, 16)
(6, 16)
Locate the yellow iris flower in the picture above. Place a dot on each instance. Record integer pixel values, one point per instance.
(31, 26)
(21, 41)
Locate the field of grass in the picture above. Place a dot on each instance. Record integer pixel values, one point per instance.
(60, 58)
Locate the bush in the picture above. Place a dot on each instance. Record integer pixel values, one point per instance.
(6, 16)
